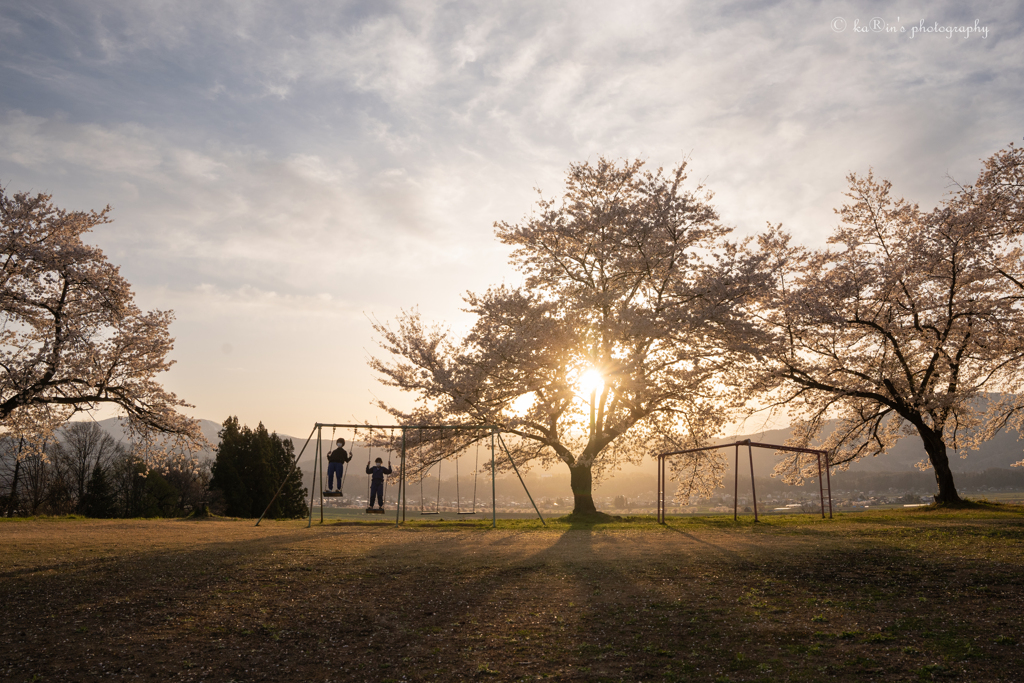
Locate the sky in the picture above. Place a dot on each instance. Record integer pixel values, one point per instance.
(283, 173)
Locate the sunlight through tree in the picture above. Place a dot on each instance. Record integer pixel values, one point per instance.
(626, 336)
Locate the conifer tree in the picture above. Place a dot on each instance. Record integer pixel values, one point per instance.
(249, 468)
(99, 495)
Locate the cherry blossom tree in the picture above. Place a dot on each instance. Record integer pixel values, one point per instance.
(908, 323)
(72, 338)
(625, 336)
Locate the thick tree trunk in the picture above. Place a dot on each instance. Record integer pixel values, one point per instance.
(582, 480)
(935, 447)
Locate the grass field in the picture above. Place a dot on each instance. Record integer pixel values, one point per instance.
(888, 596)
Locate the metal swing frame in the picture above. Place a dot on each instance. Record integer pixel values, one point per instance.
(458, 491)
(400, 507)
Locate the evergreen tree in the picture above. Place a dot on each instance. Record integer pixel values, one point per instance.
(130, 477)
(160, 497)
(99, 500)
(250, 466)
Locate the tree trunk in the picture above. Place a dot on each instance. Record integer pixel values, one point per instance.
(12, 502)
(581, 480)
(935, 447)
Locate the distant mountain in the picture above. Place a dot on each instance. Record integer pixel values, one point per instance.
(112, 426)
(1000, 452)
(210, 429)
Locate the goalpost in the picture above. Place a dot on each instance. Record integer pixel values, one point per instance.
(824, 477)
(400, 507)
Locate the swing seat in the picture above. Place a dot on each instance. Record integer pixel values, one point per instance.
(467, 513)
(332, 494)
(375, 511)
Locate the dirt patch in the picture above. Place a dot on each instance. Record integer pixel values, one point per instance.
(900, 598)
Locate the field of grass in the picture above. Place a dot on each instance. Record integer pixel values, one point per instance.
(889, 596)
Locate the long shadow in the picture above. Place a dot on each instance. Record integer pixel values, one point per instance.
(371, 601)
(579, 604)
(125, 609)
(696, 539)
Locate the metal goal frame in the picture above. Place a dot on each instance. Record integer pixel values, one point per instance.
(824, 480)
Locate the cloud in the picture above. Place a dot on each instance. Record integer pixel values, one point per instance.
(230, 215)
(302, 159)
(52, 144)
(208, 302)
(237, 140)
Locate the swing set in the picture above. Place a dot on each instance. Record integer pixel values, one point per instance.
(402, 444)
(346, 467)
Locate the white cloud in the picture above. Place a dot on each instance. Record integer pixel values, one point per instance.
(294, 225)
(55, 144)
(322, 159)
(206, 302)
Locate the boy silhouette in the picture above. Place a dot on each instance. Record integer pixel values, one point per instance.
(336, 460)
(377, 473)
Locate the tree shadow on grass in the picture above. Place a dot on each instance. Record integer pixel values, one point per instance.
(586, 520)
(577, 602)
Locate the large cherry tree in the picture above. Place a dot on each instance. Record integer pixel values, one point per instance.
(909, 322)
(72, 338)
(627, 335)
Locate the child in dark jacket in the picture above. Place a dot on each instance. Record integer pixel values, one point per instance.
(336, 460)
(377, 473)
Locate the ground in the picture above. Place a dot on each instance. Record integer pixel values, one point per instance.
(907, 596)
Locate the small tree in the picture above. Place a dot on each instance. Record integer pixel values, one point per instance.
(161, 498)
(128, 475)
(191, 482)
(80, 447)
(99, 500)
(33, 490)
(72, 337)
(623, 338)
(249, 468)
(909, 323)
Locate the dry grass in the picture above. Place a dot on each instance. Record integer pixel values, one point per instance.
(888, 597)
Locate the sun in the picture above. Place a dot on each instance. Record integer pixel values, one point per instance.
(590, 381)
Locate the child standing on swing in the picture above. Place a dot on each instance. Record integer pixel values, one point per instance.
(336, 460)
(377, 473)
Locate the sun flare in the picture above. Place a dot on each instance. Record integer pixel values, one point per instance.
(590, 381)
(523, 403)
